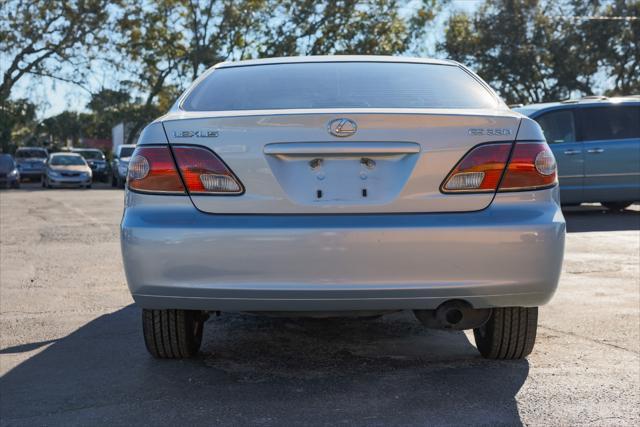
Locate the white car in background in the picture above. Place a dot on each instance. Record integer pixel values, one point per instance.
(325, 186)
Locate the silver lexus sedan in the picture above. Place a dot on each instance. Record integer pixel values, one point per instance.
(348, 185)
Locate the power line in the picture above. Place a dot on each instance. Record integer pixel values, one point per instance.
(596, 18)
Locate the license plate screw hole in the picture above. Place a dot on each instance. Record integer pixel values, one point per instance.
(368, 163)
(315, 163)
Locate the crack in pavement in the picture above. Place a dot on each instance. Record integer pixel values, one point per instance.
(588, 339)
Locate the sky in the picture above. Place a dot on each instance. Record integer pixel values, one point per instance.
(54, 96)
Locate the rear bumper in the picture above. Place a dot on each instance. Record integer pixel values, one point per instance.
(509, 254)
(8, 181)
(99, 173)
(31, 173)
(69, 181)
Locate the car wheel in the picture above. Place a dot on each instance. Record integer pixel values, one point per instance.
(616, 206)
(114, 182)
(510, 333)
(173, 334)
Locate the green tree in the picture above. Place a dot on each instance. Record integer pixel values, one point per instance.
(17, 117)
(109, 100)
(520, 49)
(169, 43)
(613, 41)
(48, 38)
(64, 128)
(306, 27)
(107, 108)
(45, 39)
(536, 51)
(156, 49)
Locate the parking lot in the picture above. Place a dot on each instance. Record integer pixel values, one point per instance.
(71, 349)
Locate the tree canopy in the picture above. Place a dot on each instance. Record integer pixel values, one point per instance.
(535, 51)
(149, 51)
(41, 37)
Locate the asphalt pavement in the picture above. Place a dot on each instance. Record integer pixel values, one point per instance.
(71, 348)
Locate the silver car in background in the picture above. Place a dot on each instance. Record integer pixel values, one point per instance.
(67, 170)
(327, 186)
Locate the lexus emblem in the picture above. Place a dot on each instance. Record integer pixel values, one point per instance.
(342, 127)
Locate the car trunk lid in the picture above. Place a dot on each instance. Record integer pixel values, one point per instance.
(291, 163)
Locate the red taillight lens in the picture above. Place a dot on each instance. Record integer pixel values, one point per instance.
(479, 171)
(152, 169)
(204, 173)
(532, 166)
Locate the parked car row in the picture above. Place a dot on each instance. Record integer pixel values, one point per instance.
(595, 140)
(77, 167)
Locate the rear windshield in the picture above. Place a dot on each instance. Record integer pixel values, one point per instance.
(25, 153)
(338, 85)
(126, 151)
(67, 161)
(90, 154)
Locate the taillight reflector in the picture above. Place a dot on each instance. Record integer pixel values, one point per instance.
(479, 171)
(204, 173)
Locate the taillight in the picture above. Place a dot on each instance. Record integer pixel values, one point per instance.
(479, 171)
(204, 173)
(152, 169)
(531, 166)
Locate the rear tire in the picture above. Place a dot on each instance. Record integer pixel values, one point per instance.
(173, 334)
(510, 333)
(616, 206)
